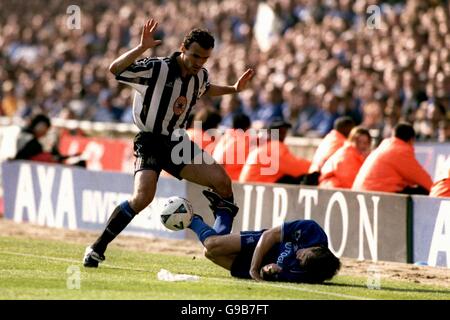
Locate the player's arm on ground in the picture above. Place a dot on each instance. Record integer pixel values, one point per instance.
(240, 85)
(267, 240)
(147, 42)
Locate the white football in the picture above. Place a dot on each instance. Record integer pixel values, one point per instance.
(177, 213)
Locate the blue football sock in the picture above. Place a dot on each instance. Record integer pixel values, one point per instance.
(201, 229)
(224, 220)
(119, 219)
(223, 223)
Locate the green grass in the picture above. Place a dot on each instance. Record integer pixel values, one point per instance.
(37, 269)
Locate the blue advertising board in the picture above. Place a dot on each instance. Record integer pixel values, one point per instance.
(434, 157)
(362, 225)
(431, 225)
(75, 198)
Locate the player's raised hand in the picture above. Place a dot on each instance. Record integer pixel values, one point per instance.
(147, 40)
(243, 81)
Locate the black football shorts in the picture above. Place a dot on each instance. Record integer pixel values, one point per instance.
(158, 152)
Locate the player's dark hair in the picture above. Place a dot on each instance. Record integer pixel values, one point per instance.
(404, 131)
(202, 36)
(320, 264)
(269, 276)
(344, 125)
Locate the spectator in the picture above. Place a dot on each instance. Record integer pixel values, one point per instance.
(441, 188)
(272, 162)
(271, 107)
(298, 109)
(229, 107)
(373, 119)
(331, 142)
(30, 147)
(200, 129)
(444, 131)
(329, 114)
(340, 170)
(250, 104)
(392, 115)
(429, 118)
(393, 167)
(9, 103)
(233, 147)
(324, 47)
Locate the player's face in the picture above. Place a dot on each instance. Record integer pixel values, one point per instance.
(195, 57)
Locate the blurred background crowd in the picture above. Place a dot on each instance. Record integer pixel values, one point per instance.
(315, 60)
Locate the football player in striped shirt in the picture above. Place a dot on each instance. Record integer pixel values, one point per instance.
(165, 92)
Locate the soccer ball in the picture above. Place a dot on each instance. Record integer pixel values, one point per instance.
(177, 213)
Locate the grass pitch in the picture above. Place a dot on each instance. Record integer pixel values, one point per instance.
(46, 269)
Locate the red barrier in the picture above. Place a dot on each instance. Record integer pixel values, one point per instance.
(100, 153)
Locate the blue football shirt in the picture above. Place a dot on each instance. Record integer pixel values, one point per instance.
(295, 235)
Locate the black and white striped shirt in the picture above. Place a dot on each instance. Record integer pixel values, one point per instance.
(163, 99)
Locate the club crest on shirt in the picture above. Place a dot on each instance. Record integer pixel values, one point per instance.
(180, 105)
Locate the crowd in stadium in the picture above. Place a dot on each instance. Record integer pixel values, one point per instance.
(323, 61)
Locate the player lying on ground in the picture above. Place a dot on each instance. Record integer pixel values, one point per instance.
(296, 251)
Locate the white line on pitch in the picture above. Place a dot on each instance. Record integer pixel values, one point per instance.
(340, 295)
(270, 284)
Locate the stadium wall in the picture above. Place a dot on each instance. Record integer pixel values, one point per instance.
(434, 157)
(366, 226)
(78, 199)
(431, 225)
(362, 225)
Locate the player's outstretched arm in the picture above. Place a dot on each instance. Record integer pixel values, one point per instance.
(147, 42)
(240, 85)
(268, 239)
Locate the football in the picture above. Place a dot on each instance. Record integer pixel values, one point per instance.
(177, 213)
